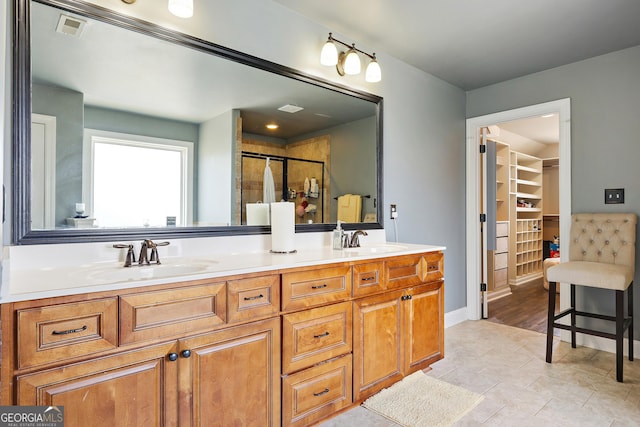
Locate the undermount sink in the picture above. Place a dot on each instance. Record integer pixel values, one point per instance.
(376, 248)
(168, 268)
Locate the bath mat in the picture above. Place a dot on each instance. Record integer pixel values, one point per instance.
(420, 400)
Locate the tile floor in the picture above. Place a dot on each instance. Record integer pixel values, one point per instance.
(507, 365)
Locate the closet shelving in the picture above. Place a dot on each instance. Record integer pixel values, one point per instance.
(526, 209)
(498, 259)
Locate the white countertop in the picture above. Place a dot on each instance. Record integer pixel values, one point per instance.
(58, 276)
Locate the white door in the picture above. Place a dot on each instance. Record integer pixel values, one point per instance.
(484, 222)
(43, 171)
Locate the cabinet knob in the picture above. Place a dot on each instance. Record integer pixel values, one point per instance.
(172, 357)
(186, 353)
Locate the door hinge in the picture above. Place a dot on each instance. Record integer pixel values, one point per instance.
(483, 217)
(483, 287)
(483, 148)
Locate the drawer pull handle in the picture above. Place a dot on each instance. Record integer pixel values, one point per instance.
(252, 298)
(366, 279)
(69, 331)
(326, 334)
(324, 285)
(325, 391)
(432, 267)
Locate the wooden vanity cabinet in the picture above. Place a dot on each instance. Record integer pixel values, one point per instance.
(400, 331)
(177, 363)
(289, 347)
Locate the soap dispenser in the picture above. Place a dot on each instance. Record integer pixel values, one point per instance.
(338, 236)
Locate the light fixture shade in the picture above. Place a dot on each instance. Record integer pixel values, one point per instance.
(329, 54)
(373, 74)
(181, 8)
(352, 63)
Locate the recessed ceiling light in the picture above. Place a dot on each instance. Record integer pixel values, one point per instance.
(290, 108)
(272, 126)
(546, 116)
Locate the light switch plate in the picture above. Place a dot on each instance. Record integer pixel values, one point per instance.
(613, 195)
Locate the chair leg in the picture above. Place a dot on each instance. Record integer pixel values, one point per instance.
(619, 333)
(550, 314)
(573, 316)
(630, 316)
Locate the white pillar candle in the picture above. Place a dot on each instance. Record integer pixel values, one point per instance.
(79, 207)
(283, 227)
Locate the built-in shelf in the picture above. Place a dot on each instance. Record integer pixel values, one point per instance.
(528, 195)
(527, 228)
(528, 169)
(527, 182)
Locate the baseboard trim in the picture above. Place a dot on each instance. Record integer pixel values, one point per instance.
(456, 316)
(598, 343)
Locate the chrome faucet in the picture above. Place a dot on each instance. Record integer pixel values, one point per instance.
(354, 240)
(143, 258)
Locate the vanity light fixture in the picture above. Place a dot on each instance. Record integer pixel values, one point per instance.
(272, 126)
(349, 62)
(181, 8)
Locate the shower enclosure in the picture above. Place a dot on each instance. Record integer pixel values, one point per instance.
(289, 175)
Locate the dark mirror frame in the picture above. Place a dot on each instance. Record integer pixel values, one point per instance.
(21, 232)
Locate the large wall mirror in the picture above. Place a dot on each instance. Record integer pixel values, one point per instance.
(124, 129)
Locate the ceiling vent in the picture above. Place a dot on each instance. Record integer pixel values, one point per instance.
(70, 25)
(289, 108)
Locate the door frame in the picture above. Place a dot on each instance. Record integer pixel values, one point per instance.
(473, 249)
(47, 151)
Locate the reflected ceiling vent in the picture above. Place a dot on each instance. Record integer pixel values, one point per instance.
(70, 25)
(289, 108)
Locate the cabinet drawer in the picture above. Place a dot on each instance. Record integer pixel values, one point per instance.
(253, 298)
(502, 244)
(309, 288)
(502, 228)
(412, 270)
(501, 261)
(314, 335)
(174, 312)
(317, 392)
(403, 271)
(500, 278)
(59, 332)
(368, 278)
(432, 267)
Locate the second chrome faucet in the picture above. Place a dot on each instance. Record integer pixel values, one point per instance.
(144, 258)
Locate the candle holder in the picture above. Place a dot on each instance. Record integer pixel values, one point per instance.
(80, 211)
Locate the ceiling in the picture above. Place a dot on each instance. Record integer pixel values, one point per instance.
(472, 43)
(110, 66)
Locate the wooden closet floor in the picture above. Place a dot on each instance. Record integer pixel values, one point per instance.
(525, 308)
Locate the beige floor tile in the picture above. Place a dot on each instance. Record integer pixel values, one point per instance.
(507, 365)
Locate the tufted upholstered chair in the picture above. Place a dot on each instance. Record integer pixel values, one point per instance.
(602, 250)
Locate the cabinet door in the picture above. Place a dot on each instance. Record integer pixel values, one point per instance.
(231, 377)
(423, 326)
(136, 388)
(377, 337)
